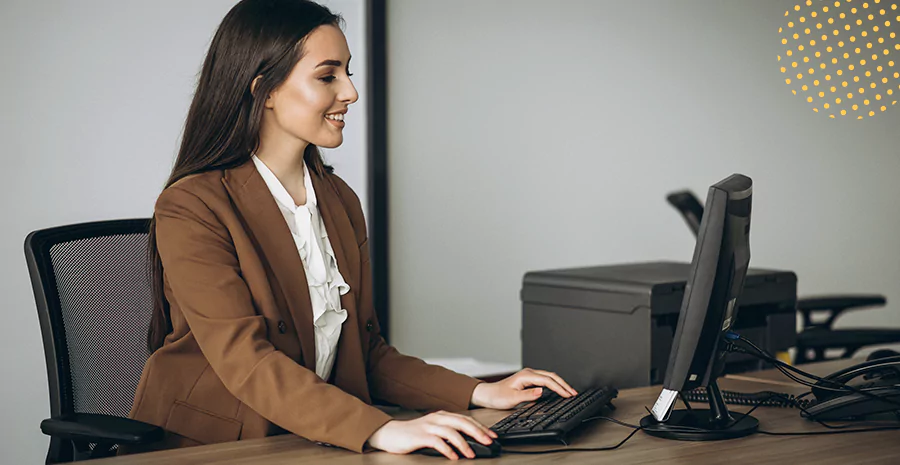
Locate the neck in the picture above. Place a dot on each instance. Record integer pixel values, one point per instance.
(284, 156)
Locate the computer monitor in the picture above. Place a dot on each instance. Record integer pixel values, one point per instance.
(708, 311)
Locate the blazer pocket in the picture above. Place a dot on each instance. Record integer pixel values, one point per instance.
(202, 425)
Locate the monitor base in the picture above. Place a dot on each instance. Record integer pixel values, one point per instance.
(697, 425)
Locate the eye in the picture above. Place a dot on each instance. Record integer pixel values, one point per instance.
(330, 78)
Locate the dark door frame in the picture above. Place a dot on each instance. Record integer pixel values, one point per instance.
(377, 161)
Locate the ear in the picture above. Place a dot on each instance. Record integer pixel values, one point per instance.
(253, 85)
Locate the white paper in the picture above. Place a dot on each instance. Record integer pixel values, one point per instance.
(474, 368)
(663, 406)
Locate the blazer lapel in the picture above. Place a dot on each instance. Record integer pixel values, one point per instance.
(255, 203)
(340, 230)
(349, 365)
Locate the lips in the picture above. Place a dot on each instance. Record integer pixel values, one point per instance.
(336, 120)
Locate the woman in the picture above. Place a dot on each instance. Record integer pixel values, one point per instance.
(263, 322)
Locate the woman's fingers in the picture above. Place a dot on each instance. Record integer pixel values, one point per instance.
(558, 380)
(529, 395)
(453, 437)
(479, 427)
(438, 444)
(535, 379)
(486, 429)
(469, 426)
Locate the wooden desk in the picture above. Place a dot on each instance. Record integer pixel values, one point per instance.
(878, 447)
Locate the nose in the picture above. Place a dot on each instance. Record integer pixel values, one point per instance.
(348, 93)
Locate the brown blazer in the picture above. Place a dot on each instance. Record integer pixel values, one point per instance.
(240, 362)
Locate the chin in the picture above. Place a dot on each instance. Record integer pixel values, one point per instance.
(330, 143)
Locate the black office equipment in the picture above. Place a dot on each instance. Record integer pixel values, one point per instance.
(816, 335)
(709, 310)
(882, 353)
(93, 301)
(481, 451)
(690, 208)
(762, 398)
(880, 377)
(867, 391)
(552, 417)
(613, 325)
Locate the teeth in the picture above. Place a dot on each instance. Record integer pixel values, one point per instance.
(336, 117)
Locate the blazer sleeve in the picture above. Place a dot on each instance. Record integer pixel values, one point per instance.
(202, 269)
(400, 379)
(408, 381)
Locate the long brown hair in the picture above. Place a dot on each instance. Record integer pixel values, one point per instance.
(256, 38)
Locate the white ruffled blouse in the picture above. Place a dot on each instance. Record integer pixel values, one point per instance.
(326, 285)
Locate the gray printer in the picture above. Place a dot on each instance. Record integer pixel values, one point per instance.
(614, 325)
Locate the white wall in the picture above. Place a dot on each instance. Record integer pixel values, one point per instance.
(529, 135)
(94, 98)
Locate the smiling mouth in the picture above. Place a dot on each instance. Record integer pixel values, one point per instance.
(336, 120)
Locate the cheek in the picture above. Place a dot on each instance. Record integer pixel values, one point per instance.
(302, 106)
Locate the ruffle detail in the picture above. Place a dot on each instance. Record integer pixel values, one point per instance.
(325, 282)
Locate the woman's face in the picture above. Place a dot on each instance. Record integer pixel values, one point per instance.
(310, 104)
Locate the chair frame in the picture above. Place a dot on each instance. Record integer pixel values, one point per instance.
(43, 281)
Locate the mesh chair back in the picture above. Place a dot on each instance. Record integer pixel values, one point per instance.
(93, 295)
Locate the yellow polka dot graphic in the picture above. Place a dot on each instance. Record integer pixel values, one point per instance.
(851, 43)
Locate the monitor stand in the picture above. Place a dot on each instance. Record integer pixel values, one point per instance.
(711, 424)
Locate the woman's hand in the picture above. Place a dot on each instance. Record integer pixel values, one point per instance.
(518, 388)
(403, 437)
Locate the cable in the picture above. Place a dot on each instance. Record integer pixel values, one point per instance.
(764, 356)
(611, 420)
(842, 387)
(782, 367)
(634, 428)
(880, 426)
(574, 449)
(877, 424)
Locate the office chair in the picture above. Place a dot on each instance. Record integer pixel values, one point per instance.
(819, 313)
(94, 303)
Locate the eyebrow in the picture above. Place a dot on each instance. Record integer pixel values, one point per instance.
(332, 63)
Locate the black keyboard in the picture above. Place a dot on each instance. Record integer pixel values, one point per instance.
(553, 417)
